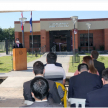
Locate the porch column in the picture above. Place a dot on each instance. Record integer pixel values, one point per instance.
(43, 38)
(76, 40)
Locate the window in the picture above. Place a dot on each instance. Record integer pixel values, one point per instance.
(36, 41)
(84, 39)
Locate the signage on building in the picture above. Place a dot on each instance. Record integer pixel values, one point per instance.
(75, 31)
(54, 25)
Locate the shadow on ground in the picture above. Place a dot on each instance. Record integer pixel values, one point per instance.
(11, 102)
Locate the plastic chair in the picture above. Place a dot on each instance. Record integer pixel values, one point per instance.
(64, 99)
(27, 102)
(77, 101)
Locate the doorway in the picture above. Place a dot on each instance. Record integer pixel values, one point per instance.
(61, 39)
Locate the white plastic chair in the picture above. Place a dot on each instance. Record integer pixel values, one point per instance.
(77, 101)
(27, 102)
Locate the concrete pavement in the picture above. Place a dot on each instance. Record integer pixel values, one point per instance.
(11, 90)
(4, 54)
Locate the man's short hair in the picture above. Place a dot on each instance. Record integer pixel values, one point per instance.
(38, 67)
(39, 87)
(83, 66)
(17, 39)
(51, 58)
(94, 54)
(105, 74)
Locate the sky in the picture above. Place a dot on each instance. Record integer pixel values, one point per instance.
(7, 19)
(84, 9)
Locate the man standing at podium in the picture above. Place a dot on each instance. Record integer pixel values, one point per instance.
(17, 44)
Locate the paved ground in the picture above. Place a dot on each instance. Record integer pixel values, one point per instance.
(4, 54)
(11, 90)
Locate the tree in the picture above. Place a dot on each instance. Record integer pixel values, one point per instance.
(7, 33)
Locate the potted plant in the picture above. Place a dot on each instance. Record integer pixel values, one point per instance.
(29, 51)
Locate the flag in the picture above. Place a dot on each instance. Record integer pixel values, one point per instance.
(31, 23)
(21, 21)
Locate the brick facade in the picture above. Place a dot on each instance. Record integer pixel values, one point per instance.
(100, 35)
(98, 38)
(26, 39)
(43, 38)
(97, 42)
(47, 41)
(106, 38)
(76, 40)
(19, 36)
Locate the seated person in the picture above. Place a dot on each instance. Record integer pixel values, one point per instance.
(52, 69)
(88, 60)
(83, 83)
(57, 64)
(17, 44)
(38, 68)
(99, 97)
(39, 90)
(98, 65)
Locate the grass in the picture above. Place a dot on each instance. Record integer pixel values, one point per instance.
(32, 58)
(73, 68)
(2, 51)
(6, 62)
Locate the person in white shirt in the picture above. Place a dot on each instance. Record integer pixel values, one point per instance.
(52, 69)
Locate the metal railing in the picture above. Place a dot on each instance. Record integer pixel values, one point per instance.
(2, 46)
(75, 59)
(53, 49)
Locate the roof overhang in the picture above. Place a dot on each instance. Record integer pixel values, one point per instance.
(6, 11)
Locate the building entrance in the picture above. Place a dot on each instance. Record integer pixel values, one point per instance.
(61, 39)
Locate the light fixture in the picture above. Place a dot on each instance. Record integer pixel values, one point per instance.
(88, 26)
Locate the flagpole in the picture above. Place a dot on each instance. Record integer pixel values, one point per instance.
(31, 31)
(32, 35)
(32, 39)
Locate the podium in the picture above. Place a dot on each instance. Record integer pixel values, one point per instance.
(19, 59)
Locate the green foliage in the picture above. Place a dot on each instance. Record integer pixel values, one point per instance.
(36, 51)
(6, 33)
(79, 48)
(6, 62)
(101, 58)
(88, 54)
(29, 50)
(73, 68)
(94, 48)
(76, 54)
(102, 48)
(27, 53)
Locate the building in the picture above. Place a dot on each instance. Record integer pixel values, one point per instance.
(59, 32)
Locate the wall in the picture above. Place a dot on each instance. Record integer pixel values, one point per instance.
(26, 38)
(98, 37)
(45, 24)
(106, 38)
(36, 26)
